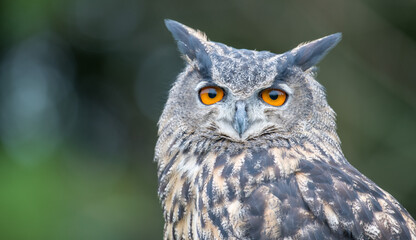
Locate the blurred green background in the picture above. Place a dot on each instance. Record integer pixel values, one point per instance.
(82, 84)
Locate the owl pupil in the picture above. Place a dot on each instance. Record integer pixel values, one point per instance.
(212, 93)
(274, 94)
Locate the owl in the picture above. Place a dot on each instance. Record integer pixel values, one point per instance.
(248, 149)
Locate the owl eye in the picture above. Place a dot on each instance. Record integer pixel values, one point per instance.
(211, 95)
(274, 97)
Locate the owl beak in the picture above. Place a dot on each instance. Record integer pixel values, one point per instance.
(240, 123)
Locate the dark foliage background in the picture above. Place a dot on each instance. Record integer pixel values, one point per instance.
(82, 84)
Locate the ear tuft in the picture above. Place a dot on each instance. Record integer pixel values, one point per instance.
(309, 54)
(191, 43)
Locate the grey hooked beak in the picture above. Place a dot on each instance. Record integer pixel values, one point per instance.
(240, 123)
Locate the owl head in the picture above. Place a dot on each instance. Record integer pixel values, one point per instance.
(242, 95)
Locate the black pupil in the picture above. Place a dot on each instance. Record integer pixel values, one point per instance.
(212, 93)
(274, 94)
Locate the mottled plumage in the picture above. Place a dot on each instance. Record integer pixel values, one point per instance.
(243, 169)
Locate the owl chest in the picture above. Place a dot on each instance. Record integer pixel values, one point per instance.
(209, 202)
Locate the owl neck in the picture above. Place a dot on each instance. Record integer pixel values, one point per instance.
(185, 155)
(175, 140)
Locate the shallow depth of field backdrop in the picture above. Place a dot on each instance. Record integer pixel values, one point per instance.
(82, 84)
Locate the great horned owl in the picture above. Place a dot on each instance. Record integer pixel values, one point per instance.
(248, 149)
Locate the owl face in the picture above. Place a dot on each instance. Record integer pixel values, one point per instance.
(241, 95)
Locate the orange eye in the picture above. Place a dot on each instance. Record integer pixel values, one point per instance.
(274, 97)
(211, 95)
